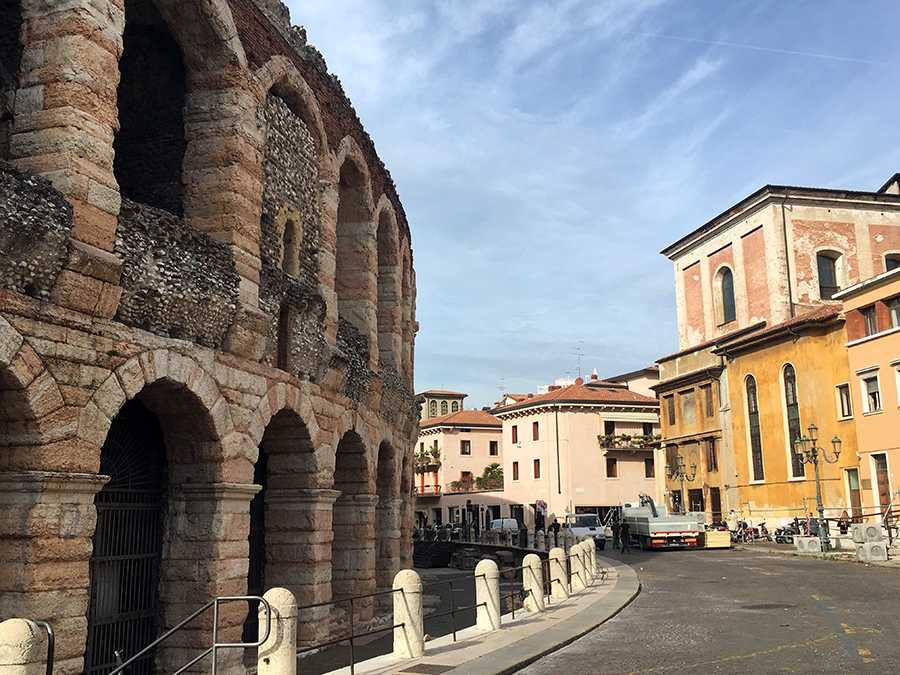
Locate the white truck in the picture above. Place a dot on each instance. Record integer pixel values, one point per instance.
(652, 527)
(586, 525)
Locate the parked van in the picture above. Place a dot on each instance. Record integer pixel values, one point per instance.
(504, 524)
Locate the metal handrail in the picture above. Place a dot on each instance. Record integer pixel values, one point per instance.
(216, 644)
(51, 644)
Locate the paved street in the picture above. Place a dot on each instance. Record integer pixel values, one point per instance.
(744, 612)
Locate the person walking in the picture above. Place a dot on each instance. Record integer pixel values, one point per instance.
(625, 535)
(615, 527)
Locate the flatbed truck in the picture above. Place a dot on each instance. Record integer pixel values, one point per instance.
(652, 527)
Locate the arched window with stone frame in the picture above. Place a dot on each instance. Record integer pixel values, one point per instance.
(756, 456)
(725, 306)
(792, 415)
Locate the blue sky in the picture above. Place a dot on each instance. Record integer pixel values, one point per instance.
(545, 152)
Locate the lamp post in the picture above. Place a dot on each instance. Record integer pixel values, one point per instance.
(810, 453)
(680, 473)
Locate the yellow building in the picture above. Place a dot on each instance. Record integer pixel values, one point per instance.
(873, 332)
(782, 379)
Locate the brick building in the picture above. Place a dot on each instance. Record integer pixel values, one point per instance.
(207, 317)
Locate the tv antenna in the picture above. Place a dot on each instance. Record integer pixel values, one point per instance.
(579, 353)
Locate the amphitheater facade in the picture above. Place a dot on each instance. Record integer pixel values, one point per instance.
(207, 320)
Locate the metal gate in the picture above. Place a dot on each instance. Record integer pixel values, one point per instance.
(124, 566)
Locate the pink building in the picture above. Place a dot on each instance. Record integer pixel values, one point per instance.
(584, 447)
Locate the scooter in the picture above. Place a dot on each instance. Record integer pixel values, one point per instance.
(786, 534)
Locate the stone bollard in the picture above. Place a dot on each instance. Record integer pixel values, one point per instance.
(532, 581)
(278, 654)
(495, 537)
(409, 636)
(559, 582)
(568, 540)
(541, 541)
(576, 557)
(22, 648)
(529, 540)
(487, 595)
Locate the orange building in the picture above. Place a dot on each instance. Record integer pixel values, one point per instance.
(873, 345)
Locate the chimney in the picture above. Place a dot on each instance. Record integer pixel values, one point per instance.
(579, 381)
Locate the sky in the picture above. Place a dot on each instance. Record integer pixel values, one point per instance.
(545, 152)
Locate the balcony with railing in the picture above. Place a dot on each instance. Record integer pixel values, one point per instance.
(428, 490)
(626, 442)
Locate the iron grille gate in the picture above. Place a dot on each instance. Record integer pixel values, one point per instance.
(124, 566)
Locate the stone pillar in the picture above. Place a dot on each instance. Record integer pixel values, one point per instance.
(409, 636)
(591, 547)
(388, 514)
(298, 552)
(559, 578)
(65, 109)
(205, 554)
(568, 540)
(533, 582)
(495, 537)
(278, 654)
(23, 650)
(48, 519)
(353, 551)
(541, 541)
(487, 595)
(529, 540)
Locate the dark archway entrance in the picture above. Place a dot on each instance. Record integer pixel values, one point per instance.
(256, 573)
(125, 564)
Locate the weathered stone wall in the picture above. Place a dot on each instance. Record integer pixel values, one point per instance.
(35, 222)
(176, 281)
(10, 54)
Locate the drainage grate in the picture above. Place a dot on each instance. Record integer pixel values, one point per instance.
(428, 669)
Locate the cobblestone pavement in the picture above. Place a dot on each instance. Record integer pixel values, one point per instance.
(743, 612)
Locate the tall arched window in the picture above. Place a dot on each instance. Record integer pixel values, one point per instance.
(725, 306)
(793, 419)
(454, 407)
(444, 409)
(827, 266)
(432, 409)
(755, 440)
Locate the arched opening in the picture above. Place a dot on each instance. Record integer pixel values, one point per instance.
(10, 56)
(352, 551)
(891, 261)
(150, 144)
(389, 287)
(354, 281)
(756, 456)
(124, 568)
(407, 315)
(387, 521)
(726, 310)
(444, 408)
(290, 251)
(792, 411)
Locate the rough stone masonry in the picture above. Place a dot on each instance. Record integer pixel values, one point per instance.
(207, 324)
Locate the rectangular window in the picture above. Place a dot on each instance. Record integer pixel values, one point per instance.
(515, 434)
(670, 408)
(688, 407)
(535, 431)
(893, 306)
(672, 455)
(712, 459)
(870, 319)
(871, 394)
(843, 396)
(647, 428)
(465, 447)
(494, 449)
(515, 471)
(708, 400)
(465, 475)
(422, 446)
(537, 468)
(612, 467)
(649, 468)
(609, 428)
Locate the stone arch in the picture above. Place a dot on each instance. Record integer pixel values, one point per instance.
(31, 407)
(389, 282)
(209, 484)
(356, 258)
(388, 515)
(281, 77)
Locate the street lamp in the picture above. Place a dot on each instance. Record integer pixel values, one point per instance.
(810, 454)
(682, 474)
